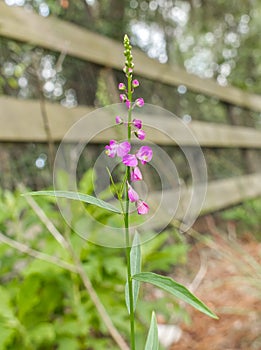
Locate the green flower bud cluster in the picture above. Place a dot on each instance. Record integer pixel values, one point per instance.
(129, 65)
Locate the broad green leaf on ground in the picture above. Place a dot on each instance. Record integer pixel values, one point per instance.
(135, 260)
(8, 321)
(42, 334)
(152, 342)
(78, 197)
(174, 288)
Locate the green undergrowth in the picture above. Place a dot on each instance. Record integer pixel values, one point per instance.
(245, 217)
(44, 306)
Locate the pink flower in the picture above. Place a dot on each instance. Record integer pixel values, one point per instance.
(136, 174)
(142, 207)
(111, 149)
(130, 160)
(128, 104)
(118, 120)
(121, 86)
(123, 97)
(139, 102)
(132, 194)
(135, 83)
(121, 149)
(137, 123)
(140, 134)
(144, 154)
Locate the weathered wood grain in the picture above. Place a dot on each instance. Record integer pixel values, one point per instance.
(220, 195)
(21, 121)
(55, 34)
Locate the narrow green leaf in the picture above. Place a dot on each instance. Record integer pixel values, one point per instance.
(135, 260)
(174, 288)
(135, 255)
(152, 342)
(78, 197)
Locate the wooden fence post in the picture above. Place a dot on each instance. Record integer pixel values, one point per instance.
(250, 156)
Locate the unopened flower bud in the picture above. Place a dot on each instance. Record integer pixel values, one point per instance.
(118, 120)
(121, 86)
(135, 83)
(137, 123)
(123, 97)
(140, 134)
(139, 102)
(128, 104)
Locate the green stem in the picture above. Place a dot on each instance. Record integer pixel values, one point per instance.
(127, 231)
(129, 282)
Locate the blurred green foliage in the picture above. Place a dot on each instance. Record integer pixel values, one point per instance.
(45, 307)
(246, 217)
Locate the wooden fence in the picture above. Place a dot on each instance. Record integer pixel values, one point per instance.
(61, 36)
(21, 120)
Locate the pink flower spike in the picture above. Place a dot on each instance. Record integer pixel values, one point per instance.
(111, 149)
(123, 97)
(135, 83)
(137, 123)
(118, 120)
(144, 154)
(121, 86)
(123, 149)
(128, 104)
(132, 194)
(142, 207)
(139, 102)
(130, 160)
(136, 174)
(140, 134)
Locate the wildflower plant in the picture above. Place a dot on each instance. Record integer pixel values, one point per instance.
(133, 163)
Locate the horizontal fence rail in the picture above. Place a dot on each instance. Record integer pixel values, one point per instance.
(21, 121)
(220, 194)
(58, 35)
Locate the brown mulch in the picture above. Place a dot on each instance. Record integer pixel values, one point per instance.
(231, 287)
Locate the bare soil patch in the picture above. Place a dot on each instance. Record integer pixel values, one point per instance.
(227, 277)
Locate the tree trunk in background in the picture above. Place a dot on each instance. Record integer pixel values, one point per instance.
(113, 13)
